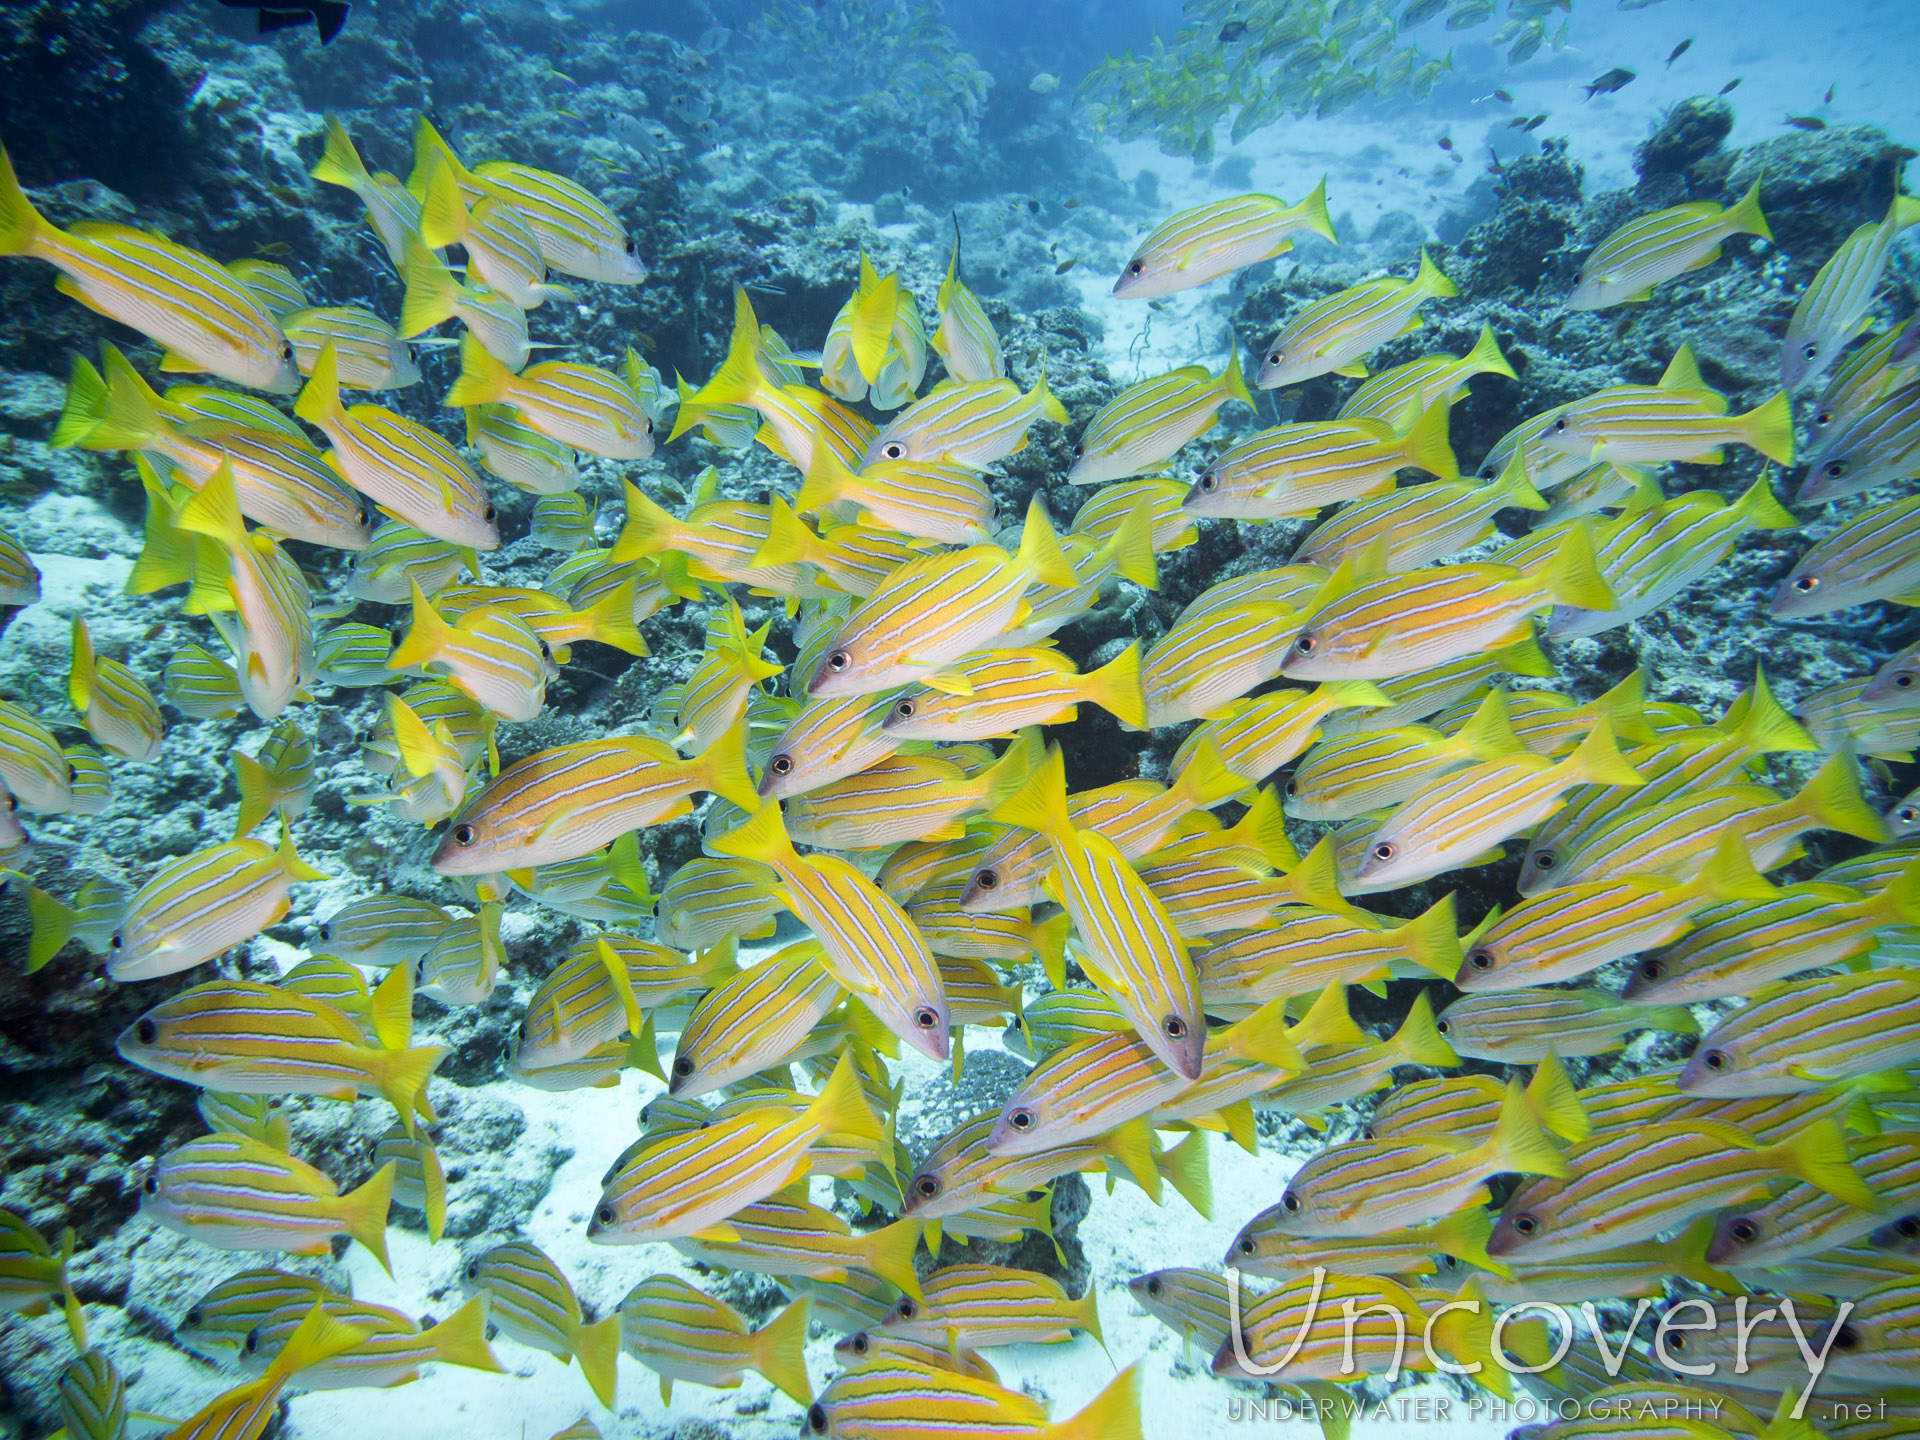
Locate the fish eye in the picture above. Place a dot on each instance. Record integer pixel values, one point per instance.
(1545, 860)
(1291, 789)
(1247, 1247)
(649, 427)
(1136, 268)
(906, 1309)
(1445, 1027)
(194, 1316)
(473, 1270)
(1807, 584)
(1835, 469)
(286, 351)
(926, 1187)
(1174, 1028)
(1907, 1226)
(1811, 351)
(986, 880)
(817, 1418)
(905, 709)
(116, 942)
(633, 247)
(1020, 1119)
(605, 1215)
(1290, 1203)
(859, 1344)
(1906, 814)
(1525, 1224)
(1305, 643)
(1385, 850)
(489, 513)
(1678, 1342)
(1653, 969)
(839, 660)
(1273, 357)
(781, 764)
(893, 450)
(1481, 960)
(465, 835)
(1714, 1059)
(151, 1185)
(1903, 680)
(146, 1032)
(1745, 1231)
(1209, 482)
(683, 1067)
(1846, 1338)
(925, 1018)
(1079, 452)
(252, 1343)
(1823, 417)
(1560, 426)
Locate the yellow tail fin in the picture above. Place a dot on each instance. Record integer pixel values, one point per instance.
(426, 635)
(724, 773)
(1115, 688)
(318, 402)
(597, 1348)
(1745, 217)
(1426, 445)
(431, 291)
(739, 378)
(1041, 803)
(1432, 938)
(84, 408)
(1572, 573)
(402, 1075)
(1485, 357)
(461, 1339)
(1759, 507)
(761, 836)
(1185, 1168)
(1768, 428)
(647, 530)
(362, 1213)
(1131, 548)
(340, 164)
(1040, 554)
(1729, 873)
(779, 1352)
(873, 316)
(1596, 760)
(1761, 725)
(52, 924)
(1231, 379)
(1818, 1155)
(1313, 210)
(841, 1109)
(1488, 733)
(483, 380)
(1518, 1144)
(444, 218)
(1263, 1037)
(22, 229)
(888, 1253)
(1432, 281)
(1556, 1102)
(1419, 1041)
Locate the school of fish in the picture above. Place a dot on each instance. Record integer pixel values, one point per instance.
(1171, 973)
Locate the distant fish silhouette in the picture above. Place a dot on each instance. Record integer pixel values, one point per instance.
(328, 16)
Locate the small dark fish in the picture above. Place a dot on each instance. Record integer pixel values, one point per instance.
(1679, 50)
(1156, 305)
(328, 16)
(1805, 122)
(1232, 31)
(1503, 97)
(1519, 122)
(1830, 89)
(1534, 122)
(1033, 207)
(1064, 266)
(1730, 86)
(1069, 204)
(647, 342)
(1615, 79)
(1446, 142)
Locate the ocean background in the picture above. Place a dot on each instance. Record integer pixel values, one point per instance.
(178, 116)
